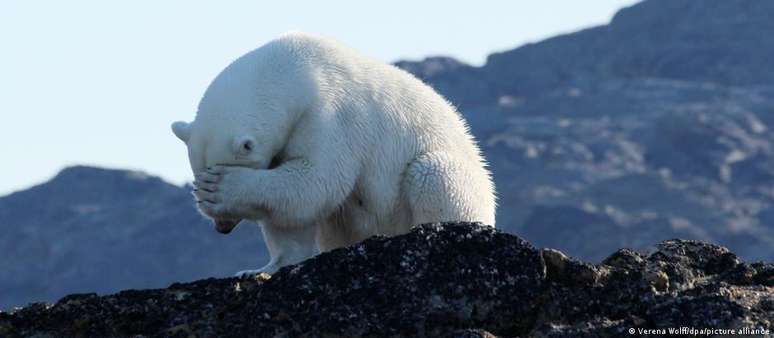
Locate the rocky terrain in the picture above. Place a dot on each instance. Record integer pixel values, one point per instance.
(655, 126)
(453, 280)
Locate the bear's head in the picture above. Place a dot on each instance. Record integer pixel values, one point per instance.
(253, 139)
(247, 135)
(217, 144)
(247, 114)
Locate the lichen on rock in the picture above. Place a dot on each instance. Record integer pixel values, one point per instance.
(447, 280)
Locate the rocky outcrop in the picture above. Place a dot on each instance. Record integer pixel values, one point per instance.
(454, 280)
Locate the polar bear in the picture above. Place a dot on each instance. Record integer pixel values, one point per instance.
(325, 147)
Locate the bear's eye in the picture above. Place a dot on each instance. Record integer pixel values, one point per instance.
(243, 145)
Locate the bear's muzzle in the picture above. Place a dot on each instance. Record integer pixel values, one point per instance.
(225, 226)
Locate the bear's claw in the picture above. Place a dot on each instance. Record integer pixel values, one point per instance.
(211, 187)
(207, 177)
(206, 196)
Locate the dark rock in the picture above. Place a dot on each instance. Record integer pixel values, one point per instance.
(764, 274)
(471, 333)
(440, 280)
(567, 271)
(625, 259)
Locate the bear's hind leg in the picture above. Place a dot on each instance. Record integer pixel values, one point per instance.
(441, 188)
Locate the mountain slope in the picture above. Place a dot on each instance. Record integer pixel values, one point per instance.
(100, 230)
(725, 42)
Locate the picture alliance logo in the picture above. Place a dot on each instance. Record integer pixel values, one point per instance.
(692, 331)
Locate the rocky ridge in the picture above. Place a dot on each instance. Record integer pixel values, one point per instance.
(454, 280)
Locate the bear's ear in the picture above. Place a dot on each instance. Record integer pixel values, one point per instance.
(182, 130)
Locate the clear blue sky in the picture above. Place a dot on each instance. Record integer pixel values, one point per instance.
(98, 82)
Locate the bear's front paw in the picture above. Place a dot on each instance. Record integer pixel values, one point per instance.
(221, 193)
(269, 270)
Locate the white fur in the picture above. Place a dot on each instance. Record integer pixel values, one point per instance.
(365, 148)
